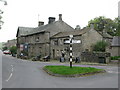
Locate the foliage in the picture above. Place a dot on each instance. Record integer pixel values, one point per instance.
(1, 12)
(4, 48)
(100, 46)
(66, 70)
(102, 23)
(117, 22)
(13, 50)
(115, 57)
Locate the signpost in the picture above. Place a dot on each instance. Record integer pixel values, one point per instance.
(71, 41)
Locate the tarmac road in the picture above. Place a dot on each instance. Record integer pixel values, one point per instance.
(18, 73)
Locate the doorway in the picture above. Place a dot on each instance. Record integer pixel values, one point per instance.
(53, 53)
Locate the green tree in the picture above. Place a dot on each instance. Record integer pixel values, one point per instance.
(102, 23)
(117, 25)
(4, 48)
(100, 46)
(1, 12)
(13, 50)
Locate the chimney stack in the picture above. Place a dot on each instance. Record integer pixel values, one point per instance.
(60, 17)
(40, 23)
(92, 25)
(51, 19)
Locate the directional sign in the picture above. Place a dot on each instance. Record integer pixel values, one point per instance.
(73, 41)
(76, 41)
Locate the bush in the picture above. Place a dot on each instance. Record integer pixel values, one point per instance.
(4, 48)
(115, 57)
(100, 46)
(13, 50)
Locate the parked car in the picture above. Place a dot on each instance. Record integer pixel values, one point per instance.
(7, 52)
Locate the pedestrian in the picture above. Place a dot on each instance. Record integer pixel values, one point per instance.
(77, 60)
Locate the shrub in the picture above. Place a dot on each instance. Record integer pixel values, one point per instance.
(13, 50)
(115, 57)
(100, 46)
(4, 48)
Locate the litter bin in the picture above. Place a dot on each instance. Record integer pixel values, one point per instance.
(102, 60)
(62, 59)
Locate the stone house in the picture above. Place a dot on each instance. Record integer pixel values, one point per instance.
(10, 43)
(88, 37)
(36, 41)
(115, 46)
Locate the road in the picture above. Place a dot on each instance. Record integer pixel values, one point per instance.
(18, 73)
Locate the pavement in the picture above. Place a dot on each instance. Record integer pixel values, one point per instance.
(18, 73)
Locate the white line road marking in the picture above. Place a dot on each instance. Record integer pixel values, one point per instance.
(9, 77)
(113, 72)
(10, 74)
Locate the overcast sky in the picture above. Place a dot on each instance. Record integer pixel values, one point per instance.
(74, 12)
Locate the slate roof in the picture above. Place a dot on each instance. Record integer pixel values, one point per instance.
(66, 34)
(56, 25)
(116, 41)
(105, 35)
(79, 32)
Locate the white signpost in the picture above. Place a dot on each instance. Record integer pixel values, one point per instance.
(71, 41)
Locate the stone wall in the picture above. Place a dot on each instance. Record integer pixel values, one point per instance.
(96, 57)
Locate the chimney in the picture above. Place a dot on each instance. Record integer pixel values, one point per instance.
(40, 23)
(60, 17)
(51, 19)
(92, 25)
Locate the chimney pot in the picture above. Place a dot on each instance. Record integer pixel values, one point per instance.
(40, 23)
(60, 16)
(51, 19)
(92, 25)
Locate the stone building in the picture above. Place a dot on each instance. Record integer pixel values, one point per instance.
(115, 46)
(10, 43)
(88, 37)
(49, 39)
(36, 41)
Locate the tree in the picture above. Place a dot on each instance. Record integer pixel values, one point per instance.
(117, 25)
(1, 12)
(102, 23)
(4, 48)
(100, 46)
(13, 50)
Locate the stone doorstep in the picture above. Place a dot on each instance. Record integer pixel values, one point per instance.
(75, 75)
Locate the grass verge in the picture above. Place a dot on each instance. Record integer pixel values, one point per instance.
(67, 71)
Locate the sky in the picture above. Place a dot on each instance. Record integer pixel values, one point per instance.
(74, 12)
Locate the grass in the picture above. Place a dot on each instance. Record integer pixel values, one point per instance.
(66, 70)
